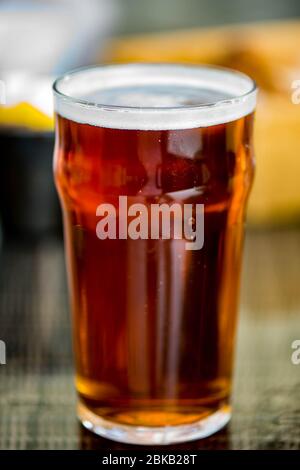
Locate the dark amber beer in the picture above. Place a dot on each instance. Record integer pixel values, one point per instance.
(154, 313)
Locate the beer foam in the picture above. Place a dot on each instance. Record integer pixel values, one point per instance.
(154, 96)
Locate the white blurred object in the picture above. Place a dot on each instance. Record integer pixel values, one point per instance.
(52, 36)
(35, 89)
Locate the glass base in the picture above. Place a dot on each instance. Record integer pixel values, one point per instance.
(162, 435)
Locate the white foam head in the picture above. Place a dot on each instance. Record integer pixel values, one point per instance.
(154, 96)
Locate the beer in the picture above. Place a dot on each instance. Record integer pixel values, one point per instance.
(154, 322)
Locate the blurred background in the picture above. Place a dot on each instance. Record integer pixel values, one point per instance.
(40, 39)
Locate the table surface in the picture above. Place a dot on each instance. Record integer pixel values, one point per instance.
(37, 398)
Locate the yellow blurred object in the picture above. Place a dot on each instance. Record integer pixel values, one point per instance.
(268, 52)
(24, 115)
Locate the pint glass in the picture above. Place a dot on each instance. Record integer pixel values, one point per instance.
(153, 165)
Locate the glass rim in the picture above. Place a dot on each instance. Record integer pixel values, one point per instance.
(154, 65)
(72, 91)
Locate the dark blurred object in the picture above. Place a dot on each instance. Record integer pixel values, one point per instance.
(140, 16)
(28, 201)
